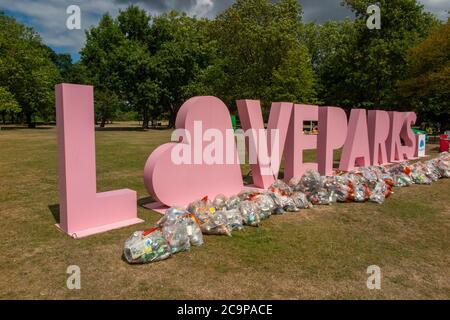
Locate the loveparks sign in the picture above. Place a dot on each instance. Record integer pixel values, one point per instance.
(205, 159)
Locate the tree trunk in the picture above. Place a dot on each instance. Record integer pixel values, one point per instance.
(4, 116)
(172, 116)
(102, 124)
(29, 120)
(145, 118)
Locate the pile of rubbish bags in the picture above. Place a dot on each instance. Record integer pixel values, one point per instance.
(181, 228)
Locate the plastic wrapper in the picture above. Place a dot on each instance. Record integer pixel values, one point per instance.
(193, 230)
(419, 174)
(171, 216)
(443, 165)
(250, 213)
(202, 209)
(361, 192)
(300, 200)
(322, 197)
(232, 203)
(378, 194)
(344, 189)
(234, 219)
(281, 188)
(310, 182)
(177, 215)
(220, 202)
(146, 246)
(402, 180)
(283, 203)
(216, 224)
(294, 184)
(177, 236)
(266, 205)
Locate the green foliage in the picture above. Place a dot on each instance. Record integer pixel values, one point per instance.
(365, 66)
(258, 41)
(7, 101)
(427, 85)
(26, 71)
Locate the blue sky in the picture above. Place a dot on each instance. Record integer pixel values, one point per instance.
(48, 17)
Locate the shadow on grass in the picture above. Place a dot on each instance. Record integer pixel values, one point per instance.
(129, 129)
(120, 129)
(54, 209)
(142, 201)
(24, 128)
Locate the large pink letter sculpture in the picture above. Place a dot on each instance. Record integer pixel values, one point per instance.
(378, 126)
(251, 119)
(297, 141)
(178, 184)
(401, 130)
(83, 211)
(332, 133)
(356, 149)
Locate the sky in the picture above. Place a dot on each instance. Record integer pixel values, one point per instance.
(48, 17)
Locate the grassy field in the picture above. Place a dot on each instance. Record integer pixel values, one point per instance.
(318, 253)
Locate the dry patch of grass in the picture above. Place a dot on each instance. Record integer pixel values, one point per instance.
(318, 253)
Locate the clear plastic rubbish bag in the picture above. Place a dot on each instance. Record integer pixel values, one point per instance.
(146, 246)
(311, 181)
(202, 209)
(171, 216)
(177, 215)
(177, 236)
(301, 200)
(265, 203)
(378, 194)
(250, 213)
(234, 219)
(233, 203)
(216, 224)
(220, 202)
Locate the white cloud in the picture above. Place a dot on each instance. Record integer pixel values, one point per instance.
(438, 7)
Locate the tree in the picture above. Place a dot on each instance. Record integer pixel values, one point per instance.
(26, 70)
(426, 87)
(363, 70)
(119, 61)
(99, 58)
(259, 44)
(182, 51)
(8, 103)
(294, 79)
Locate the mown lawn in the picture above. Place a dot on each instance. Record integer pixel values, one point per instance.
(318, 253)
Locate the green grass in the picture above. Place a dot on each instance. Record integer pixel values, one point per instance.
(318, 253)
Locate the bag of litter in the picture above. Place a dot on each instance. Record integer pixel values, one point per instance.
(216, 224)
(250, 213)
(220, 202)
(177, 236)
(234, 219)
(300, 200)
(146, 246)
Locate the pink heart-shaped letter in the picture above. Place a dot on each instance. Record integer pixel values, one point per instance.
(203, 120)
